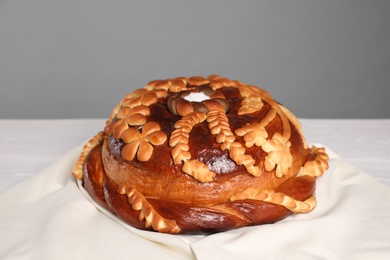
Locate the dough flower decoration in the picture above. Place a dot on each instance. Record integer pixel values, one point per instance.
(250, 104)
(140, 143)
(253, 135)
(317, 164)
(278, 149)
(134, 108)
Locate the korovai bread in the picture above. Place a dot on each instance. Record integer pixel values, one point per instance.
(201, 155)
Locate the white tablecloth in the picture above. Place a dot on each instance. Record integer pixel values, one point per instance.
(45, 216)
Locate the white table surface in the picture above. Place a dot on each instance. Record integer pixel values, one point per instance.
(27, 146)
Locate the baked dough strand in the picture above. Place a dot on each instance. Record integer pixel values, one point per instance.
(278, 198)
(147, 212)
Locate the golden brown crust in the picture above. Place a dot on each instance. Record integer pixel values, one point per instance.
(171, 164)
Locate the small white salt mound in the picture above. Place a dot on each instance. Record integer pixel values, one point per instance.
(221, 165)
(196, 97)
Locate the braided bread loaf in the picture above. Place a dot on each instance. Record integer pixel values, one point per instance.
(200, 155)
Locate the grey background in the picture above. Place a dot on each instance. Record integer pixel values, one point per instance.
(78, 58)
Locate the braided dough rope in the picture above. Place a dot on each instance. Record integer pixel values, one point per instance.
(281, 199)
(77, 171)
(147, 212)
(219, 125)
(179, 140)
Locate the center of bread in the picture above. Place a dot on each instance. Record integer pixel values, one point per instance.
(196, 97)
